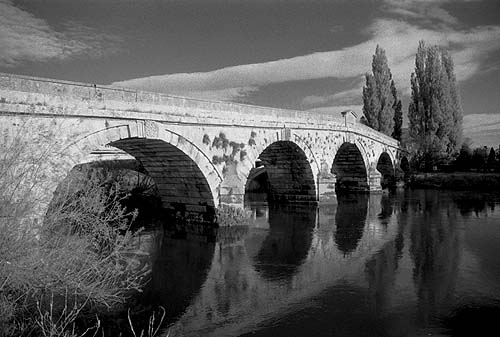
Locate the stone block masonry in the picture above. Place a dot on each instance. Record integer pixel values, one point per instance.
(200, 153)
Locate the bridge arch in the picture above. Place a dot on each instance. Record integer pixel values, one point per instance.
(286, 170)
(385, 165)
(350, 168)
(186, 179)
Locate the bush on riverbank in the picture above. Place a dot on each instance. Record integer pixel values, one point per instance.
(54, 273)
(233, 224)
(456, 181)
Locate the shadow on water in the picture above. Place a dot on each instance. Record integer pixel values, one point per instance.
(350, 220)
(179, 267)
(473, 320)
(288, 241)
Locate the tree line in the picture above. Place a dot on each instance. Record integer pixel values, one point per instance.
(479, 159)
(434, 111)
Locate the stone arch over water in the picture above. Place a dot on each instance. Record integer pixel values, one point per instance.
(285, 169)
(350, 168)
(186, 179)
(386, 168)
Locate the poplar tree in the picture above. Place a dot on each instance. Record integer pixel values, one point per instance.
(434, 112)
(379, 99)
(398, 114)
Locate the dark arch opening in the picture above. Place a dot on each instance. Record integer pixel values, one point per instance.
(386, 169)
(284, 174)
(405, 165)
(184, 190)
(349, 169)
(184, 198)
(257, 184)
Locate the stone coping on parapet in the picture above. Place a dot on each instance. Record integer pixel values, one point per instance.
(104, 97)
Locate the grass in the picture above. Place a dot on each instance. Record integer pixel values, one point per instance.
(457, 180)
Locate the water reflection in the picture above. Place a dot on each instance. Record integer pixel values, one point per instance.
(469, 203)
(381, 268)
(179, 268)
(435, 251)
(383, 265)
(350, 220)
(288, 241)
(386, 209)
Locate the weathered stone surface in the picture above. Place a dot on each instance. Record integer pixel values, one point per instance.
(199, 152)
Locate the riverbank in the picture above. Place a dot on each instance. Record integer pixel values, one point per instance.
(456, 180)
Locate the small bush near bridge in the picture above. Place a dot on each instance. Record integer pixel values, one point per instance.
(54, 273)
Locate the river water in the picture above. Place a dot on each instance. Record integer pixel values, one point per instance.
(408, 263)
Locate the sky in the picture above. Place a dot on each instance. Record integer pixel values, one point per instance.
(292, 54)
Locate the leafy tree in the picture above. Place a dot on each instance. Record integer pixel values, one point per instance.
(398, 114)
(492, 162)
(434, 112)
(497, 157)
(464, 159)
(479, 158)
(379, 99)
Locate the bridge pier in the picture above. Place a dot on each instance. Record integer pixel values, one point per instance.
(374, 180)
(326, 185)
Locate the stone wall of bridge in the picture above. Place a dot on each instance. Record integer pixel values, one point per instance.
(200, 153)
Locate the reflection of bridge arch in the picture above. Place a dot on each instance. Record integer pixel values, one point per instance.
(178, 270)
(187, 181)
(350, 220)
(288, 242)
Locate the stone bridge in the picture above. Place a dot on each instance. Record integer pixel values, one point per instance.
(200, 153)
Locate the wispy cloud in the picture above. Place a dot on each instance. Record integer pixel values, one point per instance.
(482, 129)
(24, 37)
(404, 24)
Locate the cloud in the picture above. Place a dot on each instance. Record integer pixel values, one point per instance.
(428, 11)
(24, 37)
(349, 97)
(482, 129)
(400, 37)
(337, 109)
(228, 94)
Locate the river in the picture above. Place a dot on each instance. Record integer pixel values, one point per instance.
(406, 263)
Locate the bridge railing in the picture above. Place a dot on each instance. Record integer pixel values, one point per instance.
(94, 93)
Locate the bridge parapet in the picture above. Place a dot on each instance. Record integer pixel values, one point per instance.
(73, 98)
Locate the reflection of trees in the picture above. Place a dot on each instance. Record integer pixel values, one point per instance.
(381, 268)
(350, 220)
(233, 283)
(288, 242)
(471, 202)
(435, 253)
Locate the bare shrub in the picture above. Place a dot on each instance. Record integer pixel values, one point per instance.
(71, 263)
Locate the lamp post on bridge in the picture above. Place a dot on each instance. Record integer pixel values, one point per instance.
(344, 114)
